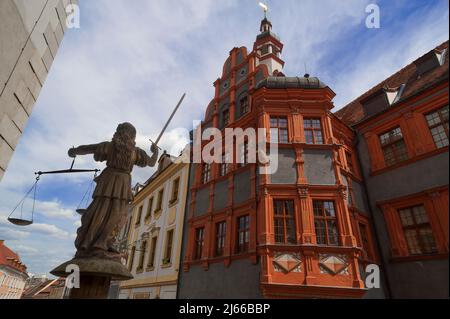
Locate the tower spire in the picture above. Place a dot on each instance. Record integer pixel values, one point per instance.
(266, 25)
(268, 46)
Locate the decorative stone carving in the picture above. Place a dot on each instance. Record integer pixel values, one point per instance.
(333, 264)
(287, 262)
(303, 192)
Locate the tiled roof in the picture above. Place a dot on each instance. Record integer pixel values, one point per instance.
(10, 258)
(354, 113)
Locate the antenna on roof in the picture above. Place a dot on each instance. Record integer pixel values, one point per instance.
(306, 71)
(265, 8)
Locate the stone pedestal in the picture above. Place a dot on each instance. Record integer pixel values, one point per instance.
(95, 276)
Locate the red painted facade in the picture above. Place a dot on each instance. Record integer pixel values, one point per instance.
(294, 265)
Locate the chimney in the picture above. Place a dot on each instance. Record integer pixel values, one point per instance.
(1, 242)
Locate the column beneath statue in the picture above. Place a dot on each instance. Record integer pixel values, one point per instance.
(95, 275)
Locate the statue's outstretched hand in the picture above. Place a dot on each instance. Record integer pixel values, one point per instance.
(154, 148)
(72, 152)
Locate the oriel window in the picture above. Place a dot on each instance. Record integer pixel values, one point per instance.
(313, 130)
(279, 128)
(325, 223)
(349, 159)
(393, 146)
(284, 222)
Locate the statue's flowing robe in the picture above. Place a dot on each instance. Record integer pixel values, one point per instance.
(107, 212)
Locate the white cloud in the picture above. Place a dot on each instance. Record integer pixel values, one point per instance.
(54, 210)
(49, 230)
(23, 250)
(11, 234)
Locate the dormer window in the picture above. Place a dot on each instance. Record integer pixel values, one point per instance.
(381, 100)
(441, 56)
(394, 95)
(430, 61)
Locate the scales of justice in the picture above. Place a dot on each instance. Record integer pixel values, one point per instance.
(96, 256)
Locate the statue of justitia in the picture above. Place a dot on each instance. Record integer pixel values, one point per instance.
(106, 214)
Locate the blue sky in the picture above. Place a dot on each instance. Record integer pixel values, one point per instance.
(131, 61)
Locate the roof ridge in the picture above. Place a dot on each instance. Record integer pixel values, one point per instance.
(393, 75)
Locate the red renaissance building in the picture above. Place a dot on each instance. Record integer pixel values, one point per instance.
(302, 232)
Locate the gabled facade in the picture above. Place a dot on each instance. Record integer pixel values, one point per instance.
(155, 233)
(302, 232)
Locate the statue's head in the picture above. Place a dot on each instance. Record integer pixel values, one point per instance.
(124, 141)
(126, 130)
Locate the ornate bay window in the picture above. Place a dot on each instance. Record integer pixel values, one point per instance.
(325, 223)
(313, 131)
(284, 222)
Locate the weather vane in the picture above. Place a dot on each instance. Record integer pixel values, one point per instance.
(265, 8)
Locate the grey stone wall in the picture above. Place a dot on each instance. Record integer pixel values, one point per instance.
(201, 202)
(241, 187)
(416, 279)
(238, 281)
(220, 195)
(286, 173)
(319, 167)
(359, 197)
